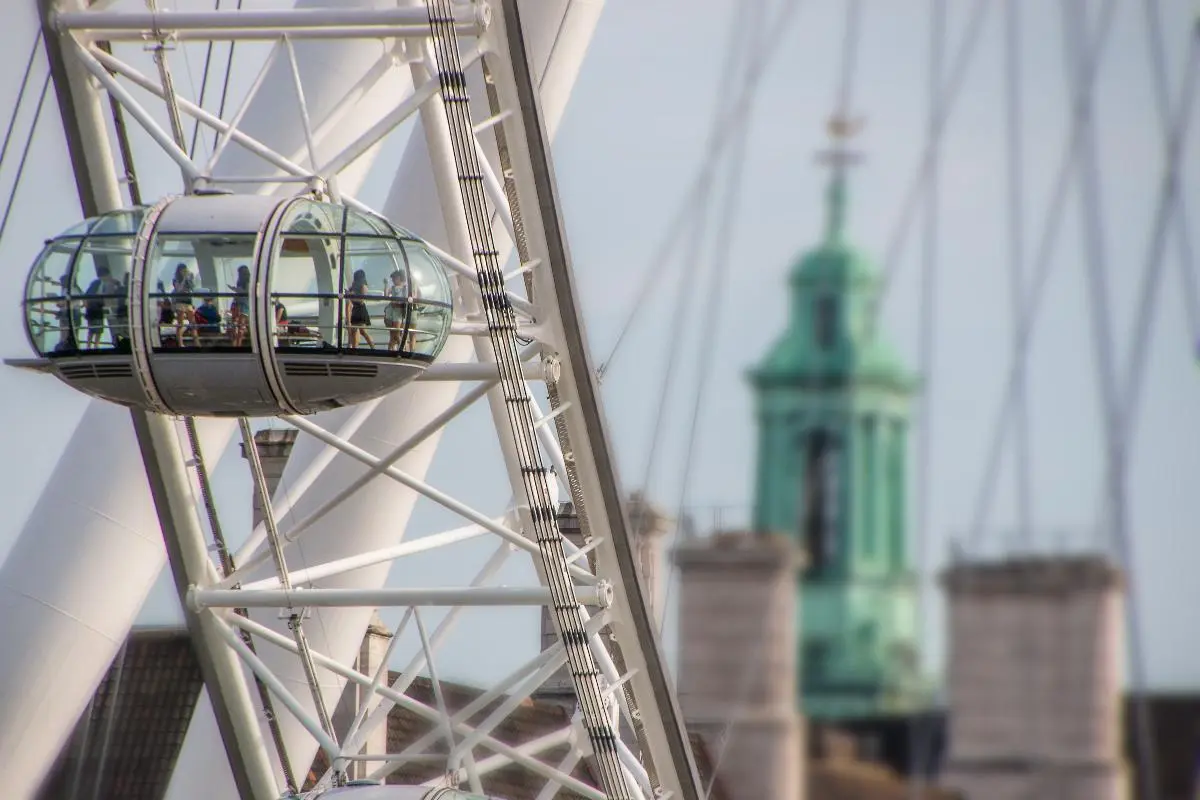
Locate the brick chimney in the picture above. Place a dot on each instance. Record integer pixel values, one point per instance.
(1034, 680)
(737, 660)
(274, 449)
(370, 657)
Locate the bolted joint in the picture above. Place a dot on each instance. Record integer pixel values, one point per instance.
(551, 368)
(604, 594)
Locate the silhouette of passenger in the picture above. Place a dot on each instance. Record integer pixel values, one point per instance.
(239, 310)
(183, 286)
(94, 309)
(360, 319)
(396, 311)
(208, 319)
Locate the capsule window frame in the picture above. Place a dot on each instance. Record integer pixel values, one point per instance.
(151, 296)
(143, 273)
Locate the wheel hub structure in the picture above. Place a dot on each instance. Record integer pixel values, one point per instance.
(277, 614)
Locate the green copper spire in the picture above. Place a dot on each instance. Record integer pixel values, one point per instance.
(839, 158)
(833, 418)
(835, 198)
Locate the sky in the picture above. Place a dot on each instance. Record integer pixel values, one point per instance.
(632, 140)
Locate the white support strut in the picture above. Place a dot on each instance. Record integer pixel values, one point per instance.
(599, 595)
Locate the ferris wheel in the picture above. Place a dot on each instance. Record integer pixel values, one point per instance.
(260, 287)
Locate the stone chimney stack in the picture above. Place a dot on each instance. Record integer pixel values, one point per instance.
(370, 657)
(1034, 680)
(737, 661)
(274, 448)
(649, 528)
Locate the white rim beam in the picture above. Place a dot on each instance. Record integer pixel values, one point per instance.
(598, 595)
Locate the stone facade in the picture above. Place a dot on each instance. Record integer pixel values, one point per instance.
(370, 658)
(274, 448)
(1034, 680)
(737, 661)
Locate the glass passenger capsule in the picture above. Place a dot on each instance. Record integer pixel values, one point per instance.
(221, 305)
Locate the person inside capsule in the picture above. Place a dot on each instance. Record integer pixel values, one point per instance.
(239, 310)
(356, 309)
(68, 317)
(396, 310)
(208, 321)
(94, 309)
(183, 285)
(118, 317)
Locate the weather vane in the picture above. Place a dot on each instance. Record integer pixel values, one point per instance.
(841, 128)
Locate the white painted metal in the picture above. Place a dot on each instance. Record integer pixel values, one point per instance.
(348, 598)
(72, 585)
(95, 519)
(346, 534)
(215, 25)
(378, 513)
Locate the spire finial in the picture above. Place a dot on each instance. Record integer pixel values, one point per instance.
(841, 129)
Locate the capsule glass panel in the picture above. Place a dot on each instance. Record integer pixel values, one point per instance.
(372, 266)
(200, 295)
(249, 305)
(429, 325)
(47, 299)
(102, 266)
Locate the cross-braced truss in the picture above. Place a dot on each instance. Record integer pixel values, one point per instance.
(475, 93)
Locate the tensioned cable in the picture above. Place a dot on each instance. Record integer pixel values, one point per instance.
(37, 115)
(1042, 267)
(684, 280)
(945, 102)
(1171, 208)
(753, 74)
(1014, 128)
(710, 318)
(850, 39)
(225, 82)
(701, 184)
(920, 734)
(12, 120)
(1158, 65)
(1074, 18)
(208, 51)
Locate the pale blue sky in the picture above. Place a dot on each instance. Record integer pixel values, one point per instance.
(630, 142)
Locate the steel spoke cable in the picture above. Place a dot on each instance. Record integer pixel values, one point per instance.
(225, 83)
(920, 733)
(706, 358)
(16, 109)
(1172, 202)
(1042, 268)
(701, 185)
(735, 165)
(850, 39)
(684, 278)
(1016, 253)
(945, 103)
(688, 278)
(1168, 210)
(710, 318)
(1074, 18)
(1157, 53)
(208, 52)
(33, 124)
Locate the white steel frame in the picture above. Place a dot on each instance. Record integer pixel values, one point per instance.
(602, 572)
